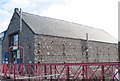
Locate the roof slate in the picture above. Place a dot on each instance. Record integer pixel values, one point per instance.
(56, 27)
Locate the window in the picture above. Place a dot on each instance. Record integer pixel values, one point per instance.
(1, 36)
(15, 52)
(14, 40)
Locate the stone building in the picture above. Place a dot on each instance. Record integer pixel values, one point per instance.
(1, 39)
(48, 40)
(0, 51)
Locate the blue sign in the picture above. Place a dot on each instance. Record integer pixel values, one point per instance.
(6, 57)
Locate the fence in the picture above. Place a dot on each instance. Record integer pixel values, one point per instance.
(62, 71)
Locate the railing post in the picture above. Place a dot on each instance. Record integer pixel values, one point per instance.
(37, 70)
(29, 70)
(4, 70)
(22, 69)
(14, 70)
(103, 74)
(68, 74)
(45, 72)
(55, 71)
(83, 71)
(51, 72)
(86, 74)
(112, 73)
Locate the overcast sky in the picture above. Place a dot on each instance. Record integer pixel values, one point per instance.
(102, 14)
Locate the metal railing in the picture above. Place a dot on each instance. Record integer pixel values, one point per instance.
(66, 71)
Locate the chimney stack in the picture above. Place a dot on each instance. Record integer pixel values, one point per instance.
(16, 9)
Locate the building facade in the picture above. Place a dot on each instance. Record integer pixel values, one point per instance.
(0, 50)
(48, 40)
(1, 40)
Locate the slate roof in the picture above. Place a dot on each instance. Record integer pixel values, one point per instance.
(56, 27)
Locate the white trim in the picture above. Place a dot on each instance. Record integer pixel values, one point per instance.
(39, 76)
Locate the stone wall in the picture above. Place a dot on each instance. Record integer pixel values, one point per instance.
(12, 28)
(26, 38)
(51, 49)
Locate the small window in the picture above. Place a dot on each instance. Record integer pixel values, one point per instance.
(14, 40)
(15, 53)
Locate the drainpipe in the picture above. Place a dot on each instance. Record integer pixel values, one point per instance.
(118, 58)
(86, 49)
(20, 19)
(119, 35)
(20, 31)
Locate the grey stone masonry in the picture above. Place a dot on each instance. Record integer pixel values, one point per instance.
(51, 49)
(26, 38)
